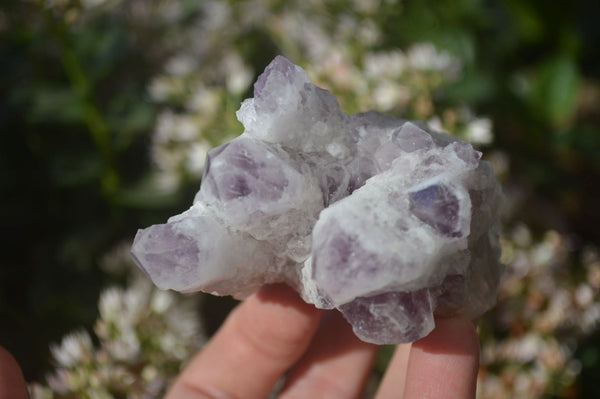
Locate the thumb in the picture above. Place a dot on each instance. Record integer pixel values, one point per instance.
(12, 383)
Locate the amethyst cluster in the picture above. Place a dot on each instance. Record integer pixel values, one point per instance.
(383, 219)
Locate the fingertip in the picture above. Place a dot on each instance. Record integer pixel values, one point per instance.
(281, 319)
(444, 364)
(12, 382)
(455, 335)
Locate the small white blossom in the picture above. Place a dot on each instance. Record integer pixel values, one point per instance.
(196, 156)
(388, 95)
(126, 346)
(521, 235)
(479, 131)
(181, 65)
(219, 15)
(164, 87)
(436, 124)
(385, 64)
(74, 348)
(161, 301)
(110, 304)
(204, 100)
(584, 295)
(368, 33)
(590, 319)
(425, 57)
(238, 76)
(166, 180)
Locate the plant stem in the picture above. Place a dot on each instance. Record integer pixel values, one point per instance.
(94, 121)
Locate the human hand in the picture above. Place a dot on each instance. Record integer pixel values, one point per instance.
(274, 332)
(12, 383)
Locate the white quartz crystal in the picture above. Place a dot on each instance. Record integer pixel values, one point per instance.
(383, 219)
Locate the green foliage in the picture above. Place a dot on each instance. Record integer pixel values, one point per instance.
(554, 90)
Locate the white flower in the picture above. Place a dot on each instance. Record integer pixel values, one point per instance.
(527, 348)
(521, 235)
(238, 75)
(180, 65)
(385, 64)
(479, 131)
(126, 347)
(204, 100)
(219, 15)
(196, 156)
(368, 33)
(73, 349)
(171, 126)
(584, 295)
(161, 301)
(590, 319)
(542, 253)
(163, 87)
(40, 392)
(135, 299)
(425, 57)
(435, 122)
(110, 304)
(388, 95)
(166, 180)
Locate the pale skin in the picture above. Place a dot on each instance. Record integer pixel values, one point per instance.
(274, 333)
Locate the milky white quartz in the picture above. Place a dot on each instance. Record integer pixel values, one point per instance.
(383, 219)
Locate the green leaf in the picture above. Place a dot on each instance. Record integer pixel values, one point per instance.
(56, 104)
(555, 88)
(473, 86)
(129, 117)
(527, 20)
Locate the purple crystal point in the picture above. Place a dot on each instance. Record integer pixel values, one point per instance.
(411, 138)
(245, 169)
(391, 317)
(380, 218)
(166, 255)
(280, 66)
(437, 206)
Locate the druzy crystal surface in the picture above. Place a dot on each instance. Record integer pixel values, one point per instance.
(383, 219)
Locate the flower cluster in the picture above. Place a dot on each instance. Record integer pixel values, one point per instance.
(145, 335)
(548, 300)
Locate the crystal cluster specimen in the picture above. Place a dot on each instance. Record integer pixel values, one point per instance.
(383, 219)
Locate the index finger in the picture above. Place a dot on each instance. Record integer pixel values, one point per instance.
(258, 342)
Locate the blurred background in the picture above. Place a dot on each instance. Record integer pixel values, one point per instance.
(107, 109)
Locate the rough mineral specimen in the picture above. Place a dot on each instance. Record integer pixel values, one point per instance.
(383, 219)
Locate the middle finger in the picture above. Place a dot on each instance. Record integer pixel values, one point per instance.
(336, 364)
